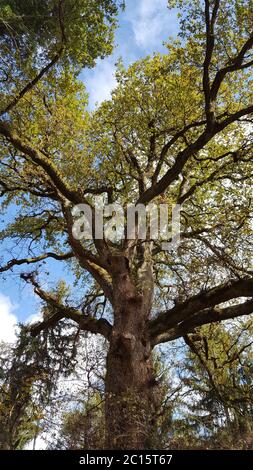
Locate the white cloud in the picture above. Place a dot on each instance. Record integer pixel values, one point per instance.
(100, 81)
(40, 444)
(8, 321)
(145, 25)
(34, 318)
(152, 22)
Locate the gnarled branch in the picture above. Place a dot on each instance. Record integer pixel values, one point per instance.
(60, 311)
(201, 309)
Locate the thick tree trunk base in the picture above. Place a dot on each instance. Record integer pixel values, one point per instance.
(129, 394)
(129, 378)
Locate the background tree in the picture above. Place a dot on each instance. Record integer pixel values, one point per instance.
(22, 378)
(83, 425)
(43, 376)
(83, 429)
(205, 396)
(177, 130)
(219, 373)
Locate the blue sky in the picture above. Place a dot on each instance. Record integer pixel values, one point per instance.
(143, 27)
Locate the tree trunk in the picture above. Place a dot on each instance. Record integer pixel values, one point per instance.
(129, 378)
(128, 391)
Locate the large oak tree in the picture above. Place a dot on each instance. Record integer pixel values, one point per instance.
(178, 129)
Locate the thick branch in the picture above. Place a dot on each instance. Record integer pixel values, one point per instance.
(212, 315)
(204, 300)
(32, 83)
(210, 42)
(170, 143)
(89, 324)
(60, 311)
(43, 161)
(172, 174)
(96, 266)
(235, 65)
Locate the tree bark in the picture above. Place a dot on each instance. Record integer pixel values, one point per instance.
(130, 376)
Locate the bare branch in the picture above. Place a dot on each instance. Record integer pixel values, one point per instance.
(20, 262)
